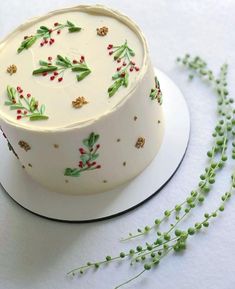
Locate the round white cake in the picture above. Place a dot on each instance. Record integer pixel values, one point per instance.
(80, 106)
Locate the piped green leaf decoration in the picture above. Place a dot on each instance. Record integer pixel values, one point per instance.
(26, 105)
(156, 92)
(45, 33)
(60, 65)
(122, 54)
(88, 155)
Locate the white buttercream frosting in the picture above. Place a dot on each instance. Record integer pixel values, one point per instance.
(58, 97)
(128, 127)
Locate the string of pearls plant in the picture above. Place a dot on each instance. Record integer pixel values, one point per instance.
(175, 239)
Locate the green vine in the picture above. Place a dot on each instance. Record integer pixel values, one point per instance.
(25, 106)
(45, 33)
(61, 65)
(175, 239)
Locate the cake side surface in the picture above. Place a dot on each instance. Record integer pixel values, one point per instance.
(103, 140)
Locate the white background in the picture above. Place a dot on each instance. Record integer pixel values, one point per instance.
(36, 253)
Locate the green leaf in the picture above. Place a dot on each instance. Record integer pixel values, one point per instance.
(61, 58)
(82, 75)
(86, 142)
(32, 102)
(153, 94)
(64, 60)
(44, 28)
(96, 138)
(38, 117)
(27, 43)
(40, 31)
(46, 35)
(74, 29)
(91, 139)
(84, 158)
(116, 76)
(45, 69)
(126, 79)
(11, 92)
(61, 63)
(16, 106)
(30, 42)
(8, 103)
(119, 52)
(72, 172)
(113, 88)
(132, 53)
(42, 109)
(70, 23)
(94, 157)
(43, 63)
(80, 67)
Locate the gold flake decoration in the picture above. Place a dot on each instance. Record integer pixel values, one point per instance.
(140, 143)
(79, 102)
(56, 146)
(24, 145)
(66, 181)
(158, 121)
(30, 165)
(118, 140)
(105, 181)
(12, 69)
(135, 118)
(102, 31)
(124, 164)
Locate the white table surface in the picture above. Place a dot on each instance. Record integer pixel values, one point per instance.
(36, 253)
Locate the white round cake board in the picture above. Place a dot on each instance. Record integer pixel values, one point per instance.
(61, 207)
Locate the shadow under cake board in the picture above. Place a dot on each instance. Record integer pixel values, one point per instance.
(83, 209)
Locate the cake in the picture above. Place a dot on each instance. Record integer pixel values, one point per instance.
(80, 105)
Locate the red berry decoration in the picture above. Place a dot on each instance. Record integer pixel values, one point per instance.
(59, 65)
(19, 117)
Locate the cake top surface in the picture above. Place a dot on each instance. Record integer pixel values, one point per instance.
(72, 67)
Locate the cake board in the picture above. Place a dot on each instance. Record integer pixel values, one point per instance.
(71, 208)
